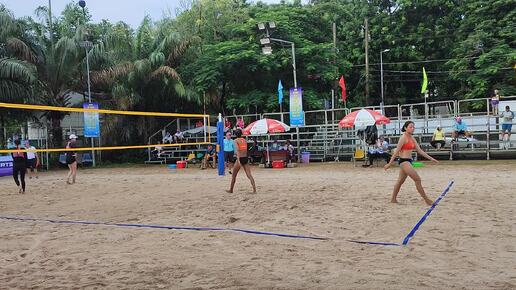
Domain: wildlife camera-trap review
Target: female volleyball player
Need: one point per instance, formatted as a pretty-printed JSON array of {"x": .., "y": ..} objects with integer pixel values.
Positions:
[
  {"x": 241, "y": 162},
  {"x": 71, "y": 159},
  {"x": 406, "y": 144}
]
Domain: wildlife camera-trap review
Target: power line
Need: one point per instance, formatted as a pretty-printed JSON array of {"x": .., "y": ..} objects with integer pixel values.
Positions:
[
  {"x": 424, "y": 61},
  {"x": 437, "y": 72}
]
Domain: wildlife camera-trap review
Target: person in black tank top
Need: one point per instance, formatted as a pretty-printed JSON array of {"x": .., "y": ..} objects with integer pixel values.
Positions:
[
  {"x": 19, "y": 166},
  {"x": 71, "y": 159},
  {"x": 242, "y": 161}
]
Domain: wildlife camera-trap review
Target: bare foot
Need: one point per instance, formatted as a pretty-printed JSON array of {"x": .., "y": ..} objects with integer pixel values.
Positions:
[
  {"x": 229, "y": 191},
  {"x": 394, "y": 201},
  {"x": 429, "y": 201},
  {"x": 68, "y": 182}
]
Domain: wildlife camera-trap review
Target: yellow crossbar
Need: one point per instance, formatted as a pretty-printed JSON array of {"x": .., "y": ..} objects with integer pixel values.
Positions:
[
  {"x": 81, "y": 110},
  {"x": 105, "y": 148}
]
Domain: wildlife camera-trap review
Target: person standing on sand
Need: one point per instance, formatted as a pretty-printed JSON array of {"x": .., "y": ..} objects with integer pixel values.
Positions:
[
  {"x": 19, "y": 166},
  {"x": 71, "y": 159},
  {"x": 241, "y": 161},
  {"x": 406, "y": 144}
]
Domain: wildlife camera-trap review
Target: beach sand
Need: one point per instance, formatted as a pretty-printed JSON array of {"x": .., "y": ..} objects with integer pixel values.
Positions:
[{"x": 467, "y": 242}]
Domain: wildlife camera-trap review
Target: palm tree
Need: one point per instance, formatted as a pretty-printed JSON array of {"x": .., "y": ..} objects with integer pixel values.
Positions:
[
  {"x": 17, "y": 70},
  {"x": 145, "y": 80}
]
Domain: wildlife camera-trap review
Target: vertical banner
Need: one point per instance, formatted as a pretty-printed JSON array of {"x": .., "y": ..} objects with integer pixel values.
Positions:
[
  {"x": 91, "y": 121},
  {"x": 297, "y": 116},
  {"x": 6, "y": 165}
]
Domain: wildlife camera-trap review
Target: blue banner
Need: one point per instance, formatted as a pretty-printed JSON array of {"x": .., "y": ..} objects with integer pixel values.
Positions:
[
  {"x": 6, "y": 165},
  {"x": 91, "y": 121},
  {"x": 297, "y": 116}
]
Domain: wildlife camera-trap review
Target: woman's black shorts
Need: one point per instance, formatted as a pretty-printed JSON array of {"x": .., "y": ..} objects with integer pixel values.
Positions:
[{"x": 229, "y": 156}]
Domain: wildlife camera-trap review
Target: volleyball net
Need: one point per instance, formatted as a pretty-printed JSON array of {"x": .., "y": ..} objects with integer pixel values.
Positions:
[{"x": 191, "y": 129}]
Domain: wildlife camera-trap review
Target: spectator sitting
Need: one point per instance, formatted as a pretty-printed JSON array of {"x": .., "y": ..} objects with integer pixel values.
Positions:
[
  {"x": 380, "y": 151},
  {"x": 255, "y": 152},
  {"x": 275, "y": 146},
  {"x": 199, "y": 124},
  {"x": 461, "y": 129},
  {"x": 240, "y": 123},
  {"x": 10, "y": 144},
  {"x": 438, "y": 139},
  {"x": 210, "y": 155},
  {"x": 168, "y": 138},
  {"x": 158, "y": 150},
  {"x": 290, "y": 148},
  {"x": 227, "y": 125},
  {"x": 179, "y": 137}
]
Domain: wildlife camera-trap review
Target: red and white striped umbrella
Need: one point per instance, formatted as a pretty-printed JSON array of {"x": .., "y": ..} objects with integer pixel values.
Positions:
[
  {"x": 265, "y": 126},
  {"x": 363, "y": 118}
]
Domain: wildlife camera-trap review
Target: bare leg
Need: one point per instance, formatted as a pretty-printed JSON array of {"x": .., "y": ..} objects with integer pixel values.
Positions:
[
  {"x": 247, "y": 169},
  {"x": 233, "y": 177},
  {"x": 70, "y": 172},
  {"x": 74, "y": 168},
  {"x": 412, "y": 173},
  {"x": 401, "y": 179}
]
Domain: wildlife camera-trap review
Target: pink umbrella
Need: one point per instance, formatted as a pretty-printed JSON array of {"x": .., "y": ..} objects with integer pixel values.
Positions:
[
  {"x": 363, "y": 118},
  {"x": 265, "y": 126}
]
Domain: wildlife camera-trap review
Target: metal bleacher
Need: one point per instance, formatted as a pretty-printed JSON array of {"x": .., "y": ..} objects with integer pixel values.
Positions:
[{"x": 325, "y": 141}]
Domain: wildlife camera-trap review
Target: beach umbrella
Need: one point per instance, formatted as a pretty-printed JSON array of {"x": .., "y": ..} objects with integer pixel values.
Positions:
[
  {"x": 266, "y": 126},
  {"x": 363, "y": 118}
]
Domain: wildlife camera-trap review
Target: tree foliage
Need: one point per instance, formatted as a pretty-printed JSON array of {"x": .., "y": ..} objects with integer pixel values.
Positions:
[{"x": 212, "y": 48}]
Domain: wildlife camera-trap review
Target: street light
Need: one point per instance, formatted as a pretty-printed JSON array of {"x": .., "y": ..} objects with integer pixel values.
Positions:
[
  {"x": 381, "y": 78},
  {"x": 266, "y": 42},
  {"x": 87, "y": 45}
]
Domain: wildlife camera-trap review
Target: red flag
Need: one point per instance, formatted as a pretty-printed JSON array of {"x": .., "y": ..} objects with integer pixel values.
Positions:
[{"x": 342, "y": 85}]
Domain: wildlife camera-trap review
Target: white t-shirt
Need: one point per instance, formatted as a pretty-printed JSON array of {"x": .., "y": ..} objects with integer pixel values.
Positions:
[
  {"x": 507, "y": 117},
  {"x": 31, "y": 155}
]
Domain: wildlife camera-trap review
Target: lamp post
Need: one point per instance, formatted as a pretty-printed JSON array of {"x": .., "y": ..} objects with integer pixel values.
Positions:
[
  {"x": 87, "y": 45},
  {"x": 268, "y": 27},
  {"x": 381, "y": 78},
  {"x": 266, "y": 42}
]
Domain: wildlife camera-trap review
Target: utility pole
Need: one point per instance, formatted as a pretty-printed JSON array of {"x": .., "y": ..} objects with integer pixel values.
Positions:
[
  {"x": 50, "y": 22},
  {"x": 366, "y": 39}
]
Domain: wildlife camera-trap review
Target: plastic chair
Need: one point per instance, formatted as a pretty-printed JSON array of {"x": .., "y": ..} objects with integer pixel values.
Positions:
[
  {"x": 87, "y": 159},
  {"x": 62, "y": 158},
  {"x": 358, "y": 155}
]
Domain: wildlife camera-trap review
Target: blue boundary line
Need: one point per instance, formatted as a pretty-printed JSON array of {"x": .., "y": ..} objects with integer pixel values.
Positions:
[
  {"x": 374, "y": 243},
  {"x": 252, "y": 232},
  {"x": 423, "y": 218}
]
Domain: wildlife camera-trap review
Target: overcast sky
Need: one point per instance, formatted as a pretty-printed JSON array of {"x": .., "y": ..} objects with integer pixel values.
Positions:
[{"x": 129, "y": 11}]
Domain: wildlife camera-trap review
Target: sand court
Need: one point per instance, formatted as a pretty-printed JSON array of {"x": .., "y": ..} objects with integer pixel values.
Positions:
[{"x": 468, "y": 241}]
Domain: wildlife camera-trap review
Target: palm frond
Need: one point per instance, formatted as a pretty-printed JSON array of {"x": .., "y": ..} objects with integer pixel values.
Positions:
[
  {"x": 8, "y": 24},
  {"x": 12, "y": 91},
  {"x": 109, "y": 75},
  {"x": 21, "y": 49},
  {"x": 165, "y": 71},
  {"x": 17, "y": 70},
  {"x": 179, "y": 50}
]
